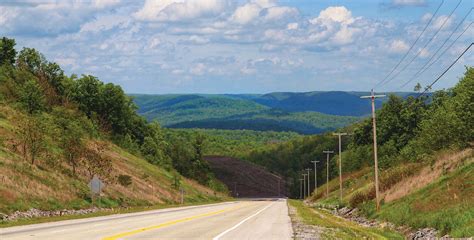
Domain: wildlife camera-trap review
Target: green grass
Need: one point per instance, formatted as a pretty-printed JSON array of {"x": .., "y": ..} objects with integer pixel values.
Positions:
[
  {"x": 446, "y": 205},
  {"x": 30, "y": 221},
  {"x": 338, "y": 228}
]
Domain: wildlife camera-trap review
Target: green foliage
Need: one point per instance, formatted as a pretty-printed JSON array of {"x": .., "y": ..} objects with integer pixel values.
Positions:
[
  {"x": 32, "y": 97},
  {"x": 232, "y": 113},
  {"x": 7, "y": 51}
]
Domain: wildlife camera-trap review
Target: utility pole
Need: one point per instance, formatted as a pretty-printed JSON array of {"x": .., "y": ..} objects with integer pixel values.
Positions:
[
  {"x": 315, "y": 176},
  {"x": 301, "y": 188},
  {"x": 373, "y": 97},
  {"x": 327, "y": 171},
  {"x": 340, "y": 164},
  {"x": 304, "y": 185},
  {"x": 309, "y": 181}
]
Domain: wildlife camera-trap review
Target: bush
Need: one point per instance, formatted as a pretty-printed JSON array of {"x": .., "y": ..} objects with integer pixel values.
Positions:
[{"x": 124, "y": 180}]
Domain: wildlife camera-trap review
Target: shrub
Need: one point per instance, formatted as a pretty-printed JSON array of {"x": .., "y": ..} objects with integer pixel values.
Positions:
[{"x": 124, "y": 180}]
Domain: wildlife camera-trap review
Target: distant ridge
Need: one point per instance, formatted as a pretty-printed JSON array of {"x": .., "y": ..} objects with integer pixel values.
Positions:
[{"x": 302, "y": 112}]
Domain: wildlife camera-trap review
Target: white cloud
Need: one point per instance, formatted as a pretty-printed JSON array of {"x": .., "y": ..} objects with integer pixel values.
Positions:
[
  {"x": 442, "y": 22},
  {"x": 265, "y": 3},
  {"x": 292, "y": 26},
  {"x": 198, "y": 69},
  {"x": 7, "y": 14},
  {"x": 408, "y": 2},
  {"x": 105, "y": 3},
  {"x": 424, "y": 53},
  {"x": 246, "y": 13},
  {"x": 398, "y": 46},
  {"x": 178, "y": 10},
  {"x": 344, "y": 35},
  {"x": 338, "y": 14},
  {"x": 103, "y": 23},
  {"x": 276, "y": 13},
  {"x": 195, "y": 39}
]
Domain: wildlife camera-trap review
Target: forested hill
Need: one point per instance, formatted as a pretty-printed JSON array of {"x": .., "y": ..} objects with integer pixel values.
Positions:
[
  {"x": 306, "y": 113},
  {"x": 58, "y": 131}
]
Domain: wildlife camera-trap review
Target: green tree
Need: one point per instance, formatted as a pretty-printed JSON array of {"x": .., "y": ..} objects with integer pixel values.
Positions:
[
  {"x": 7, "y": 51},
  {"x": 30, "y": 59},
  {"x": 31, "y": 132},
  {"x": 31, "y": 97}
]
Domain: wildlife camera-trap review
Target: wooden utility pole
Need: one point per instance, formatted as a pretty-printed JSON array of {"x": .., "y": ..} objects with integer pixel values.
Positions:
[
  {"x": 315, "y": 176},
  {"x": 374, "y": 126},
  {"x": 304, "y": 184},
  {"x": 309, "y": 181},
  {"x": 327, "y": 171},
  {"x": 301, "y": 188},
  {"x": 340, "y": 164}
]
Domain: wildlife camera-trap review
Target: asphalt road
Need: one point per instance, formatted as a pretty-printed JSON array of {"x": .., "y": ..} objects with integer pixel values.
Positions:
[{"x": 265, "y": 219}]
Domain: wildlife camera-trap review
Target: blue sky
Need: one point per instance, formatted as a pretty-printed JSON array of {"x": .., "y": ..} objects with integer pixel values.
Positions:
[{"x": 240, "y": 46}]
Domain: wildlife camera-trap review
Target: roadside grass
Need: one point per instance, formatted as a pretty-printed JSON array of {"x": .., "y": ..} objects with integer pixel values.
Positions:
[
  {"x": 339, "y": 228},
  {"x": 447, "y": 205},
  {"x": 100, "y": 213},
  {"x": 439, "y": 194}
]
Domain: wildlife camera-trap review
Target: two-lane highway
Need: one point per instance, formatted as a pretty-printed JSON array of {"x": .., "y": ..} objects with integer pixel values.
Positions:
[{"x": 266, "y": 219}]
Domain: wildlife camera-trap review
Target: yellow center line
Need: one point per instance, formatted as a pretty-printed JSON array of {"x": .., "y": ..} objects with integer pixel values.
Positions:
[{"x": 126, "y": 234}]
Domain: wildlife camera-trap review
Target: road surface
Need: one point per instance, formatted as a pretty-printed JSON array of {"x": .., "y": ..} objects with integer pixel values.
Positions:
[{"x": 266, "y": 219}]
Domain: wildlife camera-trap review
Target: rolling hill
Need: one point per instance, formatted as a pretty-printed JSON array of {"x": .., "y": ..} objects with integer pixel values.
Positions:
[{"x": 305, "y": 113}]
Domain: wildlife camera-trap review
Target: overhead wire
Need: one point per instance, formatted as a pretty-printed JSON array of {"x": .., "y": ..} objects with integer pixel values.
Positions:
[
  {"x": 423, "y": 69},
  {"x": 411, "y": 47},
  {"x": 445, "y": 71},
  {"x": 424, "y": 47}
]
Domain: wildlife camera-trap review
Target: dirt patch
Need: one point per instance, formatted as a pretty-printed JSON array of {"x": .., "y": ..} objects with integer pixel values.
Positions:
[
  {"x": 445, "y": 163},
  {"x": 244, "y": 179}
]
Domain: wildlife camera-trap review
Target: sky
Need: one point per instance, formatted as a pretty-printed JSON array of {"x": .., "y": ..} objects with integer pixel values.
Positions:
[{"x": 248, "y": 46}]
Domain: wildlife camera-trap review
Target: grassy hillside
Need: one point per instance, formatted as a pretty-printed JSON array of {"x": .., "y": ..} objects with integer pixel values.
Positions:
[
  {"x": 440, "y": 195},
  {"x": 51, "y": 185},
  {"x": 58, "y": 132}
]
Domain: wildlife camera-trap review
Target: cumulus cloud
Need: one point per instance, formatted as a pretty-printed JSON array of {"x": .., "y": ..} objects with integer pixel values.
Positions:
[
  {"x": 398, "y": 46},
  {"x": 338, "y": 14},
  {"x": 246, "y": 13},
  {"x": 262, "y": 10},
  {"x": 179, "y": 10}
]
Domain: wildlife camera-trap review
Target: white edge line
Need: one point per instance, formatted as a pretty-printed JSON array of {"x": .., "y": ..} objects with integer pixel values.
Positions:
[{"x": 241, "y": 222}]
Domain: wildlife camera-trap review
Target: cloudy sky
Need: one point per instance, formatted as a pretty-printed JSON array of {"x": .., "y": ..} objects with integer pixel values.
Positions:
[{"x": 247, "y": 46}]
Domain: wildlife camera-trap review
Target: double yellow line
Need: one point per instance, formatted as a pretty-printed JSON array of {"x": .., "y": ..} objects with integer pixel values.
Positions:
[{"x": 126, "y": 234}]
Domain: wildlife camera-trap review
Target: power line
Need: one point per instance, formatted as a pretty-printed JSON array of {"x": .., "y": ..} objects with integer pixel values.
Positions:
[
  {"x": 455, "y": 40},
  {"x": 426, "y": 44},
  {"x": 445, "y": 71},
  {"x": 411, "y": 47},
  {"x": 422, "y": 69}
]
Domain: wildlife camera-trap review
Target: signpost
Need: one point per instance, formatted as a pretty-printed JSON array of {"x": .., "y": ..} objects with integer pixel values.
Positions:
[{"x": 96, "y": 186}]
